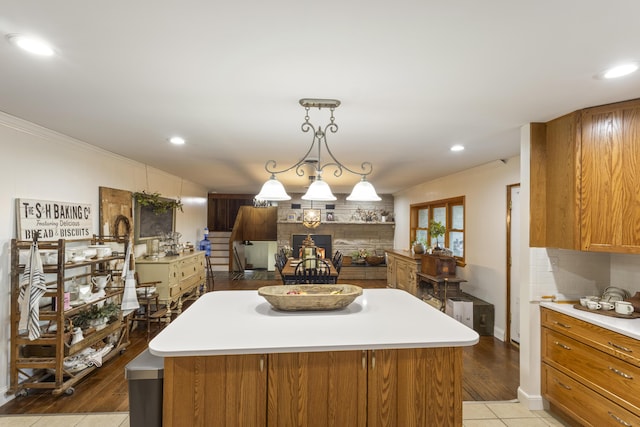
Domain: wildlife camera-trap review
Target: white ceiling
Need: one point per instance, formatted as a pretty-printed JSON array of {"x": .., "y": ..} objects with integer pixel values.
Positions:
[{"x": 414, "y": 77}]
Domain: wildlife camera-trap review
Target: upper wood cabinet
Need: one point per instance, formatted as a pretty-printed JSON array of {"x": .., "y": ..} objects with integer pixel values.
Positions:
[
  {"x": 610, "y": 192},
  {"x": 585, "y": 175},
  {"x": 555, "y": 183}
]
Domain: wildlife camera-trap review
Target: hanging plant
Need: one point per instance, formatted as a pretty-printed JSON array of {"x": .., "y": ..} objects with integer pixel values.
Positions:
[{"x": 159, "y": 205}]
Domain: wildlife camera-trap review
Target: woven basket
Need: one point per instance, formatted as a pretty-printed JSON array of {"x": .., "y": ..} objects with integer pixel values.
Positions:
[{"x": 374, "y": 259}]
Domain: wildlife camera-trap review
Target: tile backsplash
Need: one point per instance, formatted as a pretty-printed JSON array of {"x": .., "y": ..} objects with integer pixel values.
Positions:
[{"x": 570, "y": 274}]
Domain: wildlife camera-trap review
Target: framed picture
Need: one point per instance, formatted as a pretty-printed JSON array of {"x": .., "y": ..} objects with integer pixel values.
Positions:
[
  {"x": 150, "y": 225},
  {"x": 330, "y": 216},
  {"x": 291, "y": 217},
  {"x": 311, "y": 218}
]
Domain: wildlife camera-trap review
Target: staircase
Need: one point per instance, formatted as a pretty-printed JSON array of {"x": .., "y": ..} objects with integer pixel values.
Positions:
[{"x": 219, "y": 250}]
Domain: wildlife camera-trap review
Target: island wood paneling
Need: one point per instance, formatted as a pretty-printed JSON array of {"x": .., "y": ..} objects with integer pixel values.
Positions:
[
  {"x": 215, "y": 391},
  {"x": 394, "y": 388},
  {"x": 317, "y": 389}
]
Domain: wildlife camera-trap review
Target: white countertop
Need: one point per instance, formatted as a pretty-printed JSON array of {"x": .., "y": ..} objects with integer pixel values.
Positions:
[
  {"x": 628, "y": 327},
  {"x": 242, "y": 322}
]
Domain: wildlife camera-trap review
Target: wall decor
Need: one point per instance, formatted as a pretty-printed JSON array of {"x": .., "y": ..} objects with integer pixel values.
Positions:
[
  {"x": 116, "y": 212},
  {"x": 53, "y": 220},
  {"x": 151, "y": 224},
  {"x": 311, "y": 218}
]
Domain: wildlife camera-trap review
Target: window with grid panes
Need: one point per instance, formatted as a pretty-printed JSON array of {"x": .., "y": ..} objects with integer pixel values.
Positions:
[{"x": 450, "y": 212}]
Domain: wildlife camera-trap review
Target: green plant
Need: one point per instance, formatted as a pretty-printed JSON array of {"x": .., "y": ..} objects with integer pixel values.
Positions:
[
  {"x": 95, "y": 312},
  {"x": 158, "y": 204},
  {"x": 436, "y": 229}
]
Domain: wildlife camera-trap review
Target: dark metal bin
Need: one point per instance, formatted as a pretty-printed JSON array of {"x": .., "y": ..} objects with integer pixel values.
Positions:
[{"x": 145, "y": 375}]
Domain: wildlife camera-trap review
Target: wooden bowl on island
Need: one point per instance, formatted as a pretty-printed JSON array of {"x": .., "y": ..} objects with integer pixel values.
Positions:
[{"x": 310, "y": 297}]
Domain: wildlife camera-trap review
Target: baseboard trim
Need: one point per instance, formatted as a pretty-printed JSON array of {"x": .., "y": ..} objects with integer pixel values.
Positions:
[{"x": 533, "y": 402}]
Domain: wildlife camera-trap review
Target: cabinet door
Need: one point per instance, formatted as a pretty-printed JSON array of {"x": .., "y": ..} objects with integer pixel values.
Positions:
[
  {"x": 610, "y": 162},
  {"x": 317, "y": 389},
  {"x": 382, "y": 398},
  {"x": 555, "y": 183},
  {"x": 211, "y": 391},
  {"x": 391, "y": 271},
  {"x": 415, "y": 387},
  {"x": 402, "y": 274}
]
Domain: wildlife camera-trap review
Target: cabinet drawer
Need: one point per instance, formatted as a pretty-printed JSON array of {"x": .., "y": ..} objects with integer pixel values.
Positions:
[
  {"x": 583, "y": 404},
  {"x": 608, "y": 375},
  {"x": 190, "y": 282},
  {"x": 174, "y": 291},
  {"x": 610, "y": 342}
]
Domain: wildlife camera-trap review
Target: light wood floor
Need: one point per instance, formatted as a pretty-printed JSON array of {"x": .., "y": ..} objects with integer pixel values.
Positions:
[{"x": 491, "y": 371}]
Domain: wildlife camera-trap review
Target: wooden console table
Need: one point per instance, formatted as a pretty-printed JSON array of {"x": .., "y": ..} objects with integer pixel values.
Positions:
[{"x": 442, "y": 287}]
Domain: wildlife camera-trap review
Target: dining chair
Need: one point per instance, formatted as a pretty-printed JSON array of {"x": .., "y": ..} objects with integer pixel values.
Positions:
[
  {"x": 337, "y": 261},
  {"x": 313, "y": 270},
  {"x": 281, "y": 260}
]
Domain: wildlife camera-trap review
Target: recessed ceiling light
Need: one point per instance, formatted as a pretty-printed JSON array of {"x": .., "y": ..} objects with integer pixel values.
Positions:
[
  {"x": 177, "y": 140},
  {"x": 457, "y": 147},
  {"x": 31, "y": 45},
  {"x": 618, "y": 71}
]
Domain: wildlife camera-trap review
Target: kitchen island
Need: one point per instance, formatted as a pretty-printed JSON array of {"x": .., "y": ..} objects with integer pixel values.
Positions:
[{"x": 386, "y": 359}]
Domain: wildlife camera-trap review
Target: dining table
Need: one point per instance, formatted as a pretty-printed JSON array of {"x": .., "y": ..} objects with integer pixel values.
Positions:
[{"x": 289, "y": 269}]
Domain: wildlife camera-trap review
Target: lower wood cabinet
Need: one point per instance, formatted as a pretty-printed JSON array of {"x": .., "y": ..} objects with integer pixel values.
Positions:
[
  {"x": 402, "y": 270},
  {"x": 407, "y": 387},
  {"x": 589, "y": 373}
]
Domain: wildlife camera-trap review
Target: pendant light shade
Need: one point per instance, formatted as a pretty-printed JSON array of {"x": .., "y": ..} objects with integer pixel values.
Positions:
[
  {"x": 319, "y": 191},
  {"x": 363, "y": 191},
  {"x": 273, "y": 190}
]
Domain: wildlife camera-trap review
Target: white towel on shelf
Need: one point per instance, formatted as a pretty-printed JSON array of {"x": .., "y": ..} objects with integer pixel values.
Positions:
[
  {"x": 32, "y": 287},
  {"x": 129, "y": 297}
]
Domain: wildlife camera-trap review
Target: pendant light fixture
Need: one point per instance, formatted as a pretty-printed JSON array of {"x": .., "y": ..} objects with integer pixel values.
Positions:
[{"x": 319, "y": 190}]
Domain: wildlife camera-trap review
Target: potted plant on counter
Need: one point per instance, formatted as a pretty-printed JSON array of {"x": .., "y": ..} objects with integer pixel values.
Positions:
[{"x": 436, "y": 229}]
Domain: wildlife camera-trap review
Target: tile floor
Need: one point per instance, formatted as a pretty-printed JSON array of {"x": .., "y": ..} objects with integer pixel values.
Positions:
[{"x": 475, "y": 414}]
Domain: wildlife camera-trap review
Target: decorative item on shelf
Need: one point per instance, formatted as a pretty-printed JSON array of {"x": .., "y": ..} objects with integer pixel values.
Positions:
[
  {"x": 171, "y": 242},
  {"x": 365, "y": 215},
  {"x": 374, "y": 259},
  {"x": 261, "y": 203},
  {"x": 635, "y": 302},
  {"x": 158, "y": 204},
  {"x": 319, "y": 190},
  {"x": 436, "y": 229},
  {"x": 384, "y": 215},
  {"x": 95, "y": 316},
  {"x": 418, "y": 247}
]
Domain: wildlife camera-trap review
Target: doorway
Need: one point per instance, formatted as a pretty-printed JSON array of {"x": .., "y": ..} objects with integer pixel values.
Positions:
[{"x": 513, "y": 264}]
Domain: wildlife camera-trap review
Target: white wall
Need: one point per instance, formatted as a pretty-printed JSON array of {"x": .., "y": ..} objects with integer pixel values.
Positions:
[
  {"x": 37, "y": 163},
  {"x": 485, "y": 191}
]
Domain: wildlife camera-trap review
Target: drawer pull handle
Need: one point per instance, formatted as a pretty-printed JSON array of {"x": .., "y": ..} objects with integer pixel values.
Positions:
[
  {"x": 618, "y": 419},
  {"x": 561, "y": 384},
  {"x": 373, "y": 359},
  {"x": 622, "y": 374},
  {"x": 261, "y": 363},
  {"x": 364, "y": 360},
  {"x": 562, "y": 325},
  {"x": 566, "y": 347},
  {"x": 619, "y": 347}
]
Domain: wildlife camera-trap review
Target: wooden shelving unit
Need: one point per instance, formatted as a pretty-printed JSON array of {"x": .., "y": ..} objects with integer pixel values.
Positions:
[{"x": 39, "y": 363}]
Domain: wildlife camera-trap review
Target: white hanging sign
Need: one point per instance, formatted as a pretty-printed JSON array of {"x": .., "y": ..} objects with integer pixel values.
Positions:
[{"x": 53, "y": 220}]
